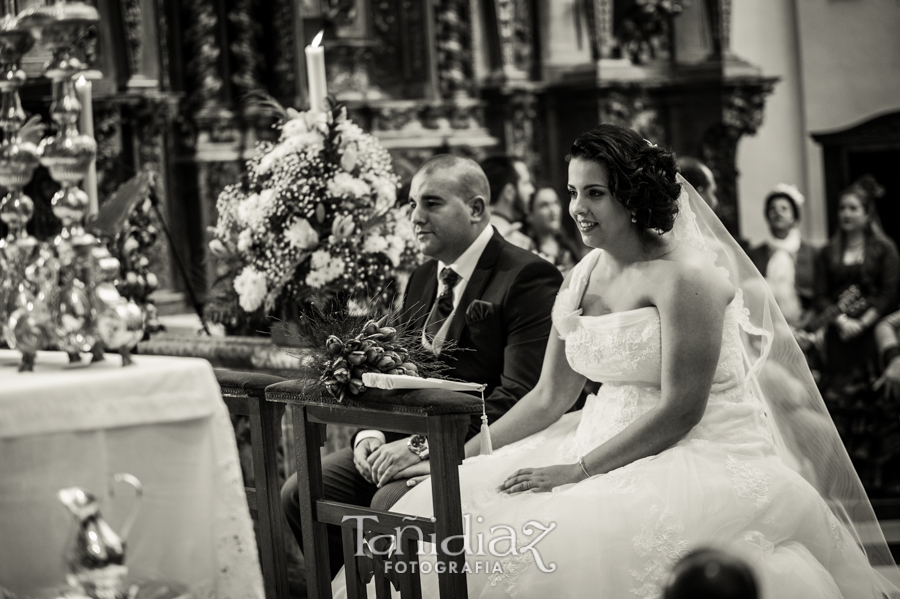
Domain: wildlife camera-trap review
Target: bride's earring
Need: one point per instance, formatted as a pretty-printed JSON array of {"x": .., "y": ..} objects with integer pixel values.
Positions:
[{"x": 634, "y": 217}]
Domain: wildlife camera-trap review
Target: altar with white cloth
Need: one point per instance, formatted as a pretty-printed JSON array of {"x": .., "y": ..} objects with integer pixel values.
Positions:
[{"x": 161, "y": 420}]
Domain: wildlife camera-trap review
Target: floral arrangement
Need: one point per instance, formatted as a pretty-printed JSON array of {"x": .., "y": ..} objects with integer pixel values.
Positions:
[
  {"x": 345, "y": 345},
  {"x": 316, "y": 216}
]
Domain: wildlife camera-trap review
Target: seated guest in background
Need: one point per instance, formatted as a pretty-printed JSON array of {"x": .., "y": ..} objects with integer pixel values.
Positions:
[
  {"x": 859, "y": 255},
  {"x": 784, "y": 259},
  {"x": 699, "y": 175},
  {"x": 888, "y": 343},
  {"x": 545, "y": 229},
  {"x": 511, "y": 188},
  {"x": 486, "y": 298}
]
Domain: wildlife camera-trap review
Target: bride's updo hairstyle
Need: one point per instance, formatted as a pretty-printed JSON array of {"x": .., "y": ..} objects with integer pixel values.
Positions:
[{"x": 641, "y": 176}]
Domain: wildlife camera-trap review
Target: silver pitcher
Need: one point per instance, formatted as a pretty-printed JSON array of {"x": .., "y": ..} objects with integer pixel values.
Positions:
[{"x": 95, "y": 556}]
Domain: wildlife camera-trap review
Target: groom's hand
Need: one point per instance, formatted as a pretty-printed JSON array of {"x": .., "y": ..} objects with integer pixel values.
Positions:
[
  {"x": 416, "y": 473},
  {"x": 361, "y": 453},
  {"x": 389, "y": 459}
]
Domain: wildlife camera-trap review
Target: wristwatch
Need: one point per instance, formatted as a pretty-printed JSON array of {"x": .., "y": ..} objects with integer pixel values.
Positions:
[{"x": 418, "y": 444}]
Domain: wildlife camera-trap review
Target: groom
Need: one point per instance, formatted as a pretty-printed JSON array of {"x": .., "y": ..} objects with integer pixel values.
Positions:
[{"x": 490, "y": 299}]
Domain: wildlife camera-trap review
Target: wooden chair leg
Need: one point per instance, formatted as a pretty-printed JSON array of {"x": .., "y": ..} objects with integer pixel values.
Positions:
[
  {"x": 265, "y": 424},
  {"x": 410, "y": 581},
  {"x": 356, "y": 588},
  {"x": 444, "y": 435},
  {"x": 307, "y": 441}
]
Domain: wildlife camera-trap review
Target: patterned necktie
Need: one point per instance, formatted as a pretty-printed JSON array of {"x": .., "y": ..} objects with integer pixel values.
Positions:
[{"x": 443, "y": 307}]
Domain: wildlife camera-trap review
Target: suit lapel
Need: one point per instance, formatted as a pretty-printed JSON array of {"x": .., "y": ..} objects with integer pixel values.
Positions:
[
  {"x": 476, "y": 284},
  {"x": 421, "y": 295}
]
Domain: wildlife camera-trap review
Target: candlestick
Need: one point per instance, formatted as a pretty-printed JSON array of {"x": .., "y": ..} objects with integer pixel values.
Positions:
[
  {"x": 315, "y": 74},
  {"x": 86, "y": 124}
]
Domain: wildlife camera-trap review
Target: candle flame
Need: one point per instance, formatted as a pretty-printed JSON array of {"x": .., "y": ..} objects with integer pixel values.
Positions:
[
  {"x": 318, "y": 39},
  {"x": 81, "y": 81}
]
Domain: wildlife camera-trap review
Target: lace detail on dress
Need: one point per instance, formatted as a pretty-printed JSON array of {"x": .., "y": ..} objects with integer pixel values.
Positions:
[
  {"x": 661, "y": 543},
  {"x": 513, "y": 566},
  {"x": 620, "y": 351},
  {"x": 623, "y": 406},
  {"x": 837, "y": 529},
  {"x": 749, "y": 481}
]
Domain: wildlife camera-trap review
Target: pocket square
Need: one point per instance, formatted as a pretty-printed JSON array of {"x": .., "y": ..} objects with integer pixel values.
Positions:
[{"x": 478, "y": 310}]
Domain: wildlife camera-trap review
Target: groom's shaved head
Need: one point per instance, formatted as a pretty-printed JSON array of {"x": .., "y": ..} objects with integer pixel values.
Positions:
[
  {"x": 469, "y": 179},
  {"x": 449, "y": 196}
]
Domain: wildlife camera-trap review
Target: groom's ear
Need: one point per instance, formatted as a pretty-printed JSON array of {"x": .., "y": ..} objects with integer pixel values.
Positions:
[{"x": 477, "y": 208}]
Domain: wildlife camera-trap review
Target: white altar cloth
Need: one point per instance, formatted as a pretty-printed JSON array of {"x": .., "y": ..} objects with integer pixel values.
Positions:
[{"x": 162, "y": 420}]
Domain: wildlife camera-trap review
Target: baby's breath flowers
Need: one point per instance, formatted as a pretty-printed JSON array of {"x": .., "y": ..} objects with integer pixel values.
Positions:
[{"x": 317, "y": 215}]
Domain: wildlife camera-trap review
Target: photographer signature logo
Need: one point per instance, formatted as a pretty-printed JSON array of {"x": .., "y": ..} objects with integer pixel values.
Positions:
[{"x": 485, "y": 552}]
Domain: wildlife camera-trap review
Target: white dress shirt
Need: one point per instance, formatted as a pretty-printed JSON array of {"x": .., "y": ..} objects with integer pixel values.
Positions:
[{"x": 464, "y": 266}]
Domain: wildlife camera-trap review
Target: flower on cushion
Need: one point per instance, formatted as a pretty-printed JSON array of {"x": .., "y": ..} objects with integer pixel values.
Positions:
[
  {"x": 300, "y": 234},
  {"x": 251, "y": 288}
]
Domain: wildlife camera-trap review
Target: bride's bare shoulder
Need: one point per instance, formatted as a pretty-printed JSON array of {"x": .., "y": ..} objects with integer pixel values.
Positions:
[{"x": 688, "y": 271}]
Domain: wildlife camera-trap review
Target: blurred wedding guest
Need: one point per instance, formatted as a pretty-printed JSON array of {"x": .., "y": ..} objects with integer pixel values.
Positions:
[
  {"x": 888, "y": 341},
  {"x": 511, "y": 187},
  {"x": 858, "y": 257},
  {"x": 544, "y": 226},
  {"x": 784, "y": 259},
  {"x": 711, "y": 574},
  {"x": 699, "y": 175},
  {"x": 858, "y": 272}
]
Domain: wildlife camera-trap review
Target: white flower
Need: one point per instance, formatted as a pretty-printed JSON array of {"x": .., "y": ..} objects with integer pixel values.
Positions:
[
  {"x": 396, "y": 245},
  {"x": 251, "y": 288},
  {"x": 266, "y": 199},
  {"x": 319, "y": 260},
  {"x": 323, "y": 269},
  {"x": 300, "y": 234},
  {"x": 375, "y": 244},
  {"x": 349, "y": 157},
  {"x": 253, "y": 210},
  {"x": 387, "y": 194},
  {"x": 294, "y": 127},
  {"x": 311, "y": 141},
  {"x": 218, "y": 248},
  {"x": 342, "y": 227},
  {"x": 345, "y": 184},
  {"x": 265, "y": 164},
  {"x": 245, "y": 240}
]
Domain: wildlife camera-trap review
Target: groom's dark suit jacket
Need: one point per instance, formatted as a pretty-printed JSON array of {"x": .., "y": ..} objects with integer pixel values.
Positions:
[{"x": 501, "y": 325}]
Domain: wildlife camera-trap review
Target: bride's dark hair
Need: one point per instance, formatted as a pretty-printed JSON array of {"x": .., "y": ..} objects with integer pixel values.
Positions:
[{"x": 641, "y": 176}]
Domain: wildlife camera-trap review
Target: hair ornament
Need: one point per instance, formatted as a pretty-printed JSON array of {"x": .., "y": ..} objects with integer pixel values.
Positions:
[
  {"x": 791, "y": 191},
  {"x": 651, "y": 144}
]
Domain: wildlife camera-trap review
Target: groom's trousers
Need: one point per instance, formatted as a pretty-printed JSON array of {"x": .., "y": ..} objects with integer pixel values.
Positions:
[{"x": 345, "y": 484}]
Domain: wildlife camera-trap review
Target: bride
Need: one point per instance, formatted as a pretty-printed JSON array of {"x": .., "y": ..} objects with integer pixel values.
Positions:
[{"x": 706, "y": 431}]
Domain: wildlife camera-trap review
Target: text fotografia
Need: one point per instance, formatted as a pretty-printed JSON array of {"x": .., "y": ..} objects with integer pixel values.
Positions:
[{"x": 502, "y": 542}]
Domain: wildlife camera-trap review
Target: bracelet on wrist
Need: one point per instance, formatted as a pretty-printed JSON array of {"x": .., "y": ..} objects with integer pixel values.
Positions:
[{"x": 583, "y": 469}]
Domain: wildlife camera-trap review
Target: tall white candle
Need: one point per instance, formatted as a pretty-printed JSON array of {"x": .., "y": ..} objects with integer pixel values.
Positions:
[
  {"x": 315, "y": 74},
  {"x": 84, "y": 88}
]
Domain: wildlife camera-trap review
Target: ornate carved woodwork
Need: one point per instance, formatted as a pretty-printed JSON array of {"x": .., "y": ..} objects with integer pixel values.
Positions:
[
  {"x": 742, "y": 114},
  {"x": 453, "y": 43}
]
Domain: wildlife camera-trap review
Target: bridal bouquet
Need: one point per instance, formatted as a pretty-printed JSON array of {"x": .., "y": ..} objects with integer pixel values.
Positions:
[
  {"x": 316, "y": 216},
  {"x": 344, "y": 346}
]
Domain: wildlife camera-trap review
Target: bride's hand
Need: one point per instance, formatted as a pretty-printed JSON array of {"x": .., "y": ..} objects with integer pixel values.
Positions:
[{"x": 542, "y": 480}]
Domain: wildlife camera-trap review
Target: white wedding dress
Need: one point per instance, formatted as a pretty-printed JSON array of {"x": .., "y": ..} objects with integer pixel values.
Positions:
[{"x": 617, "y": 535}]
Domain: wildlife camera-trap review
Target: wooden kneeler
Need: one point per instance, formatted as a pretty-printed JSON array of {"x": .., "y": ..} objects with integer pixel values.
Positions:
[
  {"x": 244, "y": 394},
  {"x": 442, "y": 415}
]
